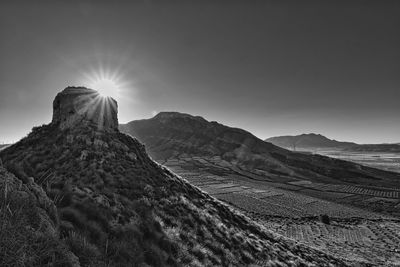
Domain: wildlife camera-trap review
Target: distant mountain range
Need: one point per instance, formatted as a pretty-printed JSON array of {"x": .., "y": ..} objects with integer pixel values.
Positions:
[
  {"x": 307, "y": 141},
  {"x": 177, "y": 135},
  {"x": 312, "y": 141}
]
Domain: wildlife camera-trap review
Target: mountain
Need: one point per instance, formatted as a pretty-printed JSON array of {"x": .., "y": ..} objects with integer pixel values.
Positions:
[
  {"x": 308, "y": 141},
  {"x": 172, "y": 134},
  {"x": 312, "y": 142},
  {"x": 89, "y": 195}
]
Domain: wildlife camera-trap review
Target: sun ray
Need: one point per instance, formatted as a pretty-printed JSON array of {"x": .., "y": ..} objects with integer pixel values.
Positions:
[{"x": 101, "y": 108}]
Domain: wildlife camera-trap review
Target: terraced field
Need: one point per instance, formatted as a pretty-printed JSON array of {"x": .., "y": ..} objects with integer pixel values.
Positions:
[
  {"x": 351, "y": 189},
  {"x": 375, "y": 199},
  {"x": 268, "y": 200},
  {"x": 362, "y": 240},
  {"x": 292, "y": 209}
]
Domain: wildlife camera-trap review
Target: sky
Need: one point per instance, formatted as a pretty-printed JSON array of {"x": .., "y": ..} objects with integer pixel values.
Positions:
[{"x": 269, "y": 67}]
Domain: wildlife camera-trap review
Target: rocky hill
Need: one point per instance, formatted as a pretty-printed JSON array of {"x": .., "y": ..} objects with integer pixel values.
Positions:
[
  {"x": 97, "y": 199},
  {"x": 310, "y": 141},
  {"x": 172, "y": 134}
]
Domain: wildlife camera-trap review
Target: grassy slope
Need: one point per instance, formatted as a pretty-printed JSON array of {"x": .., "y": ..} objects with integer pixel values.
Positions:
[
  {"x": 28, "y": 226},
  {"x": 117, "y": 207}
]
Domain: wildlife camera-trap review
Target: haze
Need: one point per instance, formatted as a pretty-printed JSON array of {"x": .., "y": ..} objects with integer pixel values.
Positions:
[{"x": 270, "y": 67}]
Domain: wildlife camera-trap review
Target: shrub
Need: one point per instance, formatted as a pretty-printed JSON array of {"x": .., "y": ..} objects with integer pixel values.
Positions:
[
  {"x": 324, "y": 218},
  {"x": 72, "y": 215},
  {"x": 125, "y": 253},
  {"x": 170, "y": 247},
  {"x": 154, "y": 256},
  {"x": 124, "y": 245},
  {"x": 18, "y": 171},
  {"x": 93, "y": 212}
]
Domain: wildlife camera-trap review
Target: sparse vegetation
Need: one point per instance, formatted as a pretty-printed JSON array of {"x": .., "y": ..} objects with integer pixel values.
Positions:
[{"x": 28, "y": 234}]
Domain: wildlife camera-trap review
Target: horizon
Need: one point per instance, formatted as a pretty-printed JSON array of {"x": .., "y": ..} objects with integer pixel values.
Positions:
[
  {"x": 263, "y": 139},
  {"x": 270, "y": 68}
]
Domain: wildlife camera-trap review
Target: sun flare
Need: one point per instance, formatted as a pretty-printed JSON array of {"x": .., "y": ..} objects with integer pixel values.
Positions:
[
  {"x": 109, "y": 82},
  {"x": 106, "y": 87}
]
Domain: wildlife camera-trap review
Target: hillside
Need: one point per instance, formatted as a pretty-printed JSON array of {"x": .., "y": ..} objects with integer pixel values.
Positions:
[
  {"x": 115, "y": 206},
  {"x": 172, "y": 134},
  {"x": 308, "y": 141}
]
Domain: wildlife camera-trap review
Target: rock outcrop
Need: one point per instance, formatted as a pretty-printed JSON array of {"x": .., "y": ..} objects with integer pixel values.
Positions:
[{"x": 80, "y": 105}]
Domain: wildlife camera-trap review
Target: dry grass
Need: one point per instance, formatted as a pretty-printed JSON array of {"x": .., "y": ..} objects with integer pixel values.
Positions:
[{"x": 26, "y": 238}]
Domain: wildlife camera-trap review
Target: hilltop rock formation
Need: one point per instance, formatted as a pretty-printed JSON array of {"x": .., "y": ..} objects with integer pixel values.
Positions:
[
  {"x": 80, "y": 105},
  {"x": 117, "y": 207},
  {"x": 174, "y": 135}
]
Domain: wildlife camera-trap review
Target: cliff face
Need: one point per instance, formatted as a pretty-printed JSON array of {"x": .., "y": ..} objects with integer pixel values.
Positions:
[{"x": 80, "y": 105}]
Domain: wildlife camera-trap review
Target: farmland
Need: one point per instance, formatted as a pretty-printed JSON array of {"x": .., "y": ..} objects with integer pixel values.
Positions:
[
  {"x": 363, "y": 240},
  {"x": 319, "y": 195},
  {"x": 291, "y": 208},
  {"x": 269, "y": 200}
]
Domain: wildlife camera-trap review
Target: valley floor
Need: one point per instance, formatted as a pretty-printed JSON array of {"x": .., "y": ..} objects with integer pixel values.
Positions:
[
  {"x": 389, "y": 161},
  {"x": 358, "y": 231}
]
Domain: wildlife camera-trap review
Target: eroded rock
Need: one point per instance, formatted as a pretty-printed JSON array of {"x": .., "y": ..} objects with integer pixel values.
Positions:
[{"x": 80, "y": 105}]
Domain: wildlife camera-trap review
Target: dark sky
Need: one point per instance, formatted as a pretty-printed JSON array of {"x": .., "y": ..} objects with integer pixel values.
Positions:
[{"x": 270, "y": 67}]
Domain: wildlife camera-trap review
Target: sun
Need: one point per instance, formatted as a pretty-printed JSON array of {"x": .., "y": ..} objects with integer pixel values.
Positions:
[
  {"x": 106, "y": 87},
  {"x": 108, "y": 81}
]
